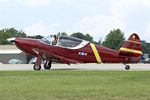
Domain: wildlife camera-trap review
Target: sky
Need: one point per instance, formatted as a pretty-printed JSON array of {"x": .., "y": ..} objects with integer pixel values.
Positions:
[{"x": 96, "y": 17}]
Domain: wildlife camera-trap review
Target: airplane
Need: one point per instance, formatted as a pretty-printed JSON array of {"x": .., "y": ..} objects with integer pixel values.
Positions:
[{"x": 70, "y": 50}]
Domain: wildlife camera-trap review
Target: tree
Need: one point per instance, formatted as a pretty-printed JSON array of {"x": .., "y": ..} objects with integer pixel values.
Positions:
[
  {"x": 78, "y": 35},
  {"x": 99, "y": 42},
  {"x": 86, "y": 37},
  {"x": 62, "y": 33},
  {"x": 36, "y": 37},
  {"x": 39, "y": 37},
  {"x": 114, "y": 39},
  {"x": 145, "y": 47},
  {"x": 9, "y": 33}
]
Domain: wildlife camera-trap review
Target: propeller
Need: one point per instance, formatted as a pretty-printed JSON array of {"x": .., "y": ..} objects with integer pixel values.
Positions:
[{"x": 11, "y": 40}]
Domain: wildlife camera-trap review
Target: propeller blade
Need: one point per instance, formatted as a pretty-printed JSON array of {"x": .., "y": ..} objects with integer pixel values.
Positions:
[{"x": 11, "y": 40}]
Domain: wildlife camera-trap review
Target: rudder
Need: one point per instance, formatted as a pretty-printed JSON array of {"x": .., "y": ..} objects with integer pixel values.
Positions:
[{"x": 132, "y": 45}]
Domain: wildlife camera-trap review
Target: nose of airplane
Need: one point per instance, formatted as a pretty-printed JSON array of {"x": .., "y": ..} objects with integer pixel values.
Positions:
[
  {"x": 11, "y": 40},
  {"x": 18, "y": 41},
  {"x": 21, "y": 42},
  {"x": 26, "y": 45}
]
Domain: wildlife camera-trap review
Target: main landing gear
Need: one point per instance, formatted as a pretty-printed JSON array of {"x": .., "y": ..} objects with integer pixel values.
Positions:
[
  {"x": 37, "y": 66},
  {"x": 127, "y": 67},
  {"x": 47, "y": 65}
]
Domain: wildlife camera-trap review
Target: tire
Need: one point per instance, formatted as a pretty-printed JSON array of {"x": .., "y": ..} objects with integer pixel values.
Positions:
[
  {"x": 37, "y": 67},
  {"x": 47, "y": 65},
  {"x": 127, "y": 67}
]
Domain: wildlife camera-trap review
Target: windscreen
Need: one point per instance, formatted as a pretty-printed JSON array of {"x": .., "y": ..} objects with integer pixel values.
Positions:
[
  {"x": 66, "y": 41},
  {"x": 50, "y": 40},
  {"x": 63, "y": 41}
]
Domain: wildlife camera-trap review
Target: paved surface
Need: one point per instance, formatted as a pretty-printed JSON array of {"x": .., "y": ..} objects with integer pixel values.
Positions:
[
  {"x": 8, "y": 47},
  {"x": 9, "y": 67}
]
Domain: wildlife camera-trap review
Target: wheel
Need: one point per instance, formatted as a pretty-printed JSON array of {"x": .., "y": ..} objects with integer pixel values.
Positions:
[
  {"x": 47, "y": 65},
  {"x": 127, "y": 67},
  {"x": 37, "y": 67}
]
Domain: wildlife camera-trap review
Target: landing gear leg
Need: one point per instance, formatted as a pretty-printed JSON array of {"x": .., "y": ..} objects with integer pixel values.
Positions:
[
  {"x": 37, "y": 65},
  {"x": 127, "y": 67},
  {"x": 48, "y": 65}
]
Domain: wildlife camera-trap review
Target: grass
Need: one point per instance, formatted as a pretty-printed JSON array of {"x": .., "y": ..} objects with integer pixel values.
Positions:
[{"x": 75, "y": 85}]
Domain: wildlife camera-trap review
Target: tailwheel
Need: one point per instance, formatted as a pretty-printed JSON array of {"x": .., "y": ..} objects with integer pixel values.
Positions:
[
  {"x": 48, "y": 65},
  {"x": 37, "y": 67},
  {"x": 127, "y": 67}
]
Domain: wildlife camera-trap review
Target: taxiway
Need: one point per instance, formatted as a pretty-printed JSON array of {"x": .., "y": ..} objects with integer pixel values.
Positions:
[{"x": 19, "y": 67}]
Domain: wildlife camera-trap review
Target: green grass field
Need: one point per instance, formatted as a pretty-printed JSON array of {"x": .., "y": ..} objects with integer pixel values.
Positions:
[{"x": 75, "y": 85}]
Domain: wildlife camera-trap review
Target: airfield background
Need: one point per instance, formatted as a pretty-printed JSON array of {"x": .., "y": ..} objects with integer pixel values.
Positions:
[{"x": 8, "y": 52}]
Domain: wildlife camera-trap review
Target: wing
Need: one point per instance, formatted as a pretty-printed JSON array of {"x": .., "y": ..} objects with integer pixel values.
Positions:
[{"x": 64, "y": 60}]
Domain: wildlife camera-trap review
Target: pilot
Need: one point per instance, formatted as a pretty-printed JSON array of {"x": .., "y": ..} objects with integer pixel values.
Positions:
[{"x": 55, "y": 40}]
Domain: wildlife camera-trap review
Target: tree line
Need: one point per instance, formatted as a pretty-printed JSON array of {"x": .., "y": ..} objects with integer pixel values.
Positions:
[{"x": 113, "y": 40}]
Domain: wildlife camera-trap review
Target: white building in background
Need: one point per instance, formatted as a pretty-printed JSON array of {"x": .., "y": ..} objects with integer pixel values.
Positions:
[{"x": 8, "y": 52}]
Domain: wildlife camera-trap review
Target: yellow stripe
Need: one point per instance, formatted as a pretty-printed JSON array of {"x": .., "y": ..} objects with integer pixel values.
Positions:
[
  {"x": 134, "y": 42},
  {"x": 96, "y": 53},
  {"x": 131, "y": 50}
]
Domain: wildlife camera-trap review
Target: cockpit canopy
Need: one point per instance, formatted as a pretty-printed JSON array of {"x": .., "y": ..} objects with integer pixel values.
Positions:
[
  {"x": 66, "y": 41},
  {"x": 63, "y": 41}
]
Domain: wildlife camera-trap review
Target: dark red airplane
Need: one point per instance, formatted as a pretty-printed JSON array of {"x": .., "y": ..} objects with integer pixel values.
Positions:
[{"x": 66, "y": 49}]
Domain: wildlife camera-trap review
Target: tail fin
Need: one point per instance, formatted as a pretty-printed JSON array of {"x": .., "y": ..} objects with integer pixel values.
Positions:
[{"x": 132, "y": 47}]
